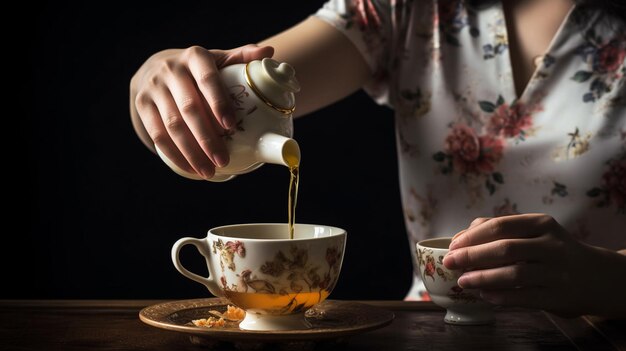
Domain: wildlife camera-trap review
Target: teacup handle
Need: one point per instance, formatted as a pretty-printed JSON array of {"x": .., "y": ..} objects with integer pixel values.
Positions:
[{"x": 202, "y": 246}]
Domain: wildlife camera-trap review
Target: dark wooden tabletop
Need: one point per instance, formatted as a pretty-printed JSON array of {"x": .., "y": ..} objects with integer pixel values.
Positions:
[{"x": 115, "y": 325}]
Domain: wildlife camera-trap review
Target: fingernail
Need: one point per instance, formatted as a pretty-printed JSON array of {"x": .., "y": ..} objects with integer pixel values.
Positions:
[
  {"x": 229, "y": 121},
  {"x": 221, "y": 159},
  {"x": 454, "y": 244},
  {"x": 464, "y": 280},
  {"x": 461, "y": 282},
  {"x": 458, "y": 234},
  {"x": 448, "y": 260},
  {"x": 207, "y": 173}
]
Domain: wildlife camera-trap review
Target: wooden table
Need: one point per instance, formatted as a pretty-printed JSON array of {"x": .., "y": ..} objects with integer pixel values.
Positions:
[{"x": 114, "y": 325}]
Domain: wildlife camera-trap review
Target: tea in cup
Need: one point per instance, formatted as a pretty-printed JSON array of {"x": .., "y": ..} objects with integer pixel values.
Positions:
[
  {"x": 463, "y": 306},
  {"x": 259, "y": 269}
]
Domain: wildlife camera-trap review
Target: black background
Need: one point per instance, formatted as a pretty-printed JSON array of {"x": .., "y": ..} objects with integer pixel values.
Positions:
[{"x": 104, "y": 211}]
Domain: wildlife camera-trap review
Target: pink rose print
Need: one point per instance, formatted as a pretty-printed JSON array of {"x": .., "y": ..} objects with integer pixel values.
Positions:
[
  {"x": 227, "y": 252},
  {"x": 510, "y": 121},
  {"x": 609, "y": 57},
  {"x": 236, "y": 247},
  {"x": 429, "y": 268},
  {"x": 603, "y": 57},
  {"x": 614, "y": 188},
  {"x": 471, "y": 153}
]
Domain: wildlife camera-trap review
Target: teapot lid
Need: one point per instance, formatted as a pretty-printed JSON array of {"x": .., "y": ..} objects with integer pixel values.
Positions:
[{"x": 275, "y": 83}]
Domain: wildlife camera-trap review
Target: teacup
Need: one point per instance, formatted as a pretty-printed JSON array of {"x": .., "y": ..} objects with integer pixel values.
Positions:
[
  {"x": 259, "y": 269},
  {"x": 463, "y": 306}
]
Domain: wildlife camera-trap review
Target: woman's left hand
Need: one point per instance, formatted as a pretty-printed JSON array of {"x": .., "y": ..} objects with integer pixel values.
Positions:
[{"x": 530, "y": 260}]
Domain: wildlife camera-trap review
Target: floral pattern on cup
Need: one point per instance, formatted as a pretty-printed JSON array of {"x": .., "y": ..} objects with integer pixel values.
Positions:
[
  {"x": 457, "y": 293},
  {"x": 434, "y": 269},
  {"x": 426, "y": 259},
  {"x": 227, "y": 252},
  {"x": 301, "y": 275}
]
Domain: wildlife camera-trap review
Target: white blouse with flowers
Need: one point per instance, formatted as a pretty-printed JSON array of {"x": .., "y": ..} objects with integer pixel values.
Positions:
[{"x": 468, "y": 146}]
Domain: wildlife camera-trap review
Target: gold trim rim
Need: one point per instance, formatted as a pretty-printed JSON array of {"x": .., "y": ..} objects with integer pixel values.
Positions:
[{"x": 286, "y": 111}]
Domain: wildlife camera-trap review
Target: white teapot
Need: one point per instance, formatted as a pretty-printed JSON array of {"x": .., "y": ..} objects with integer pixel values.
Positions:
[{"x": 262, "y": 92}]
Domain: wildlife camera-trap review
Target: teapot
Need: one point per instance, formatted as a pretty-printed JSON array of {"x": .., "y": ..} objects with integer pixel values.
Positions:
[{"x": 262, "y": 92}]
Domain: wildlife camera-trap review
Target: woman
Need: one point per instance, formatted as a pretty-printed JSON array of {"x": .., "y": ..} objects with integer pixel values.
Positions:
[{"x": 510, "y": 123}]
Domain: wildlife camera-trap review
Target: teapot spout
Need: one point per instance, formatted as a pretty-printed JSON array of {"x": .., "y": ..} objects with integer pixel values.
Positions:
[{"x": 277, "y": 149}]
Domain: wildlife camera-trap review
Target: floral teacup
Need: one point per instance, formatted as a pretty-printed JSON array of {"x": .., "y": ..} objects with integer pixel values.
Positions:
[
  {"x": 261, "y": 270},
  {"x": 463, "y": 306}
]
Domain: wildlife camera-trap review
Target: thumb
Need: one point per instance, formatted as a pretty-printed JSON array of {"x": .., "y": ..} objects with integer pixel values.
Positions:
[{"x": 242, "y": 54}]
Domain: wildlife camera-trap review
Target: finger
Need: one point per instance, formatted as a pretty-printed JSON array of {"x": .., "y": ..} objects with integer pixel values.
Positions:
[
  {"x": 507, "y": 277},
  {"x": 242, "y": 54},
  {"x": 207, "y": 76},
  {"x": 192, "y": 109},
  {"x": 205, "y": 65},
  {"x": 153, "y": 124},
  {"x": 497, "y": 253},
  {"x": 507, "y": 227},
  {"x": 180, "y": 134},
  {"x": 479, "y": 220}
]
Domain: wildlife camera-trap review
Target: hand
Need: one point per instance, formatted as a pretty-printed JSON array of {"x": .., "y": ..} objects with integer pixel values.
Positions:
[
  {"x": 530, "y": 260},
  {"x": 183, "y": 106}
]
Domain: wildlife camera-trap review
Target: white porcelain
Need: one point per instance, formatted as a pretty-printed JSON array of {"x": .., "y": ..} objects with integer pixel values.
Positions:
[
  {"x": 463, "y": 306},
  {"x": 273, "y": 278},
  {"x": 262, "y": 93}
]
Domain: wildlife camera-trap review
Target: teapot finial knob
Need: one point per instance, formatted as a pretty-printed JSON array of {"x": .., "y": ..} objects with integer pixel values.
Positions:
[
  {"x": 282, "y": 74},
  {"x": 273, "y": 82}
]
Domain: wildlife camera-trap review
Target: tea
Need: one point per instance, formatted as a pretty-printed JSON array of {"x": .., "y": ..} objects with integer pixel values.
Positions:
[
  {"x": 293, "y": 163},
  {"x": 293, "y": 198},
  {"x": 276, "y": 303}
]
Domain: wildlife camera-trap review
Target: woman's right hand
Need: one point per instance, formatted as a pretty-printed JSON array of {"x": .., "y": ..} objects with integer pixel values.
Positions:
[{"x": 179, "y": 103}]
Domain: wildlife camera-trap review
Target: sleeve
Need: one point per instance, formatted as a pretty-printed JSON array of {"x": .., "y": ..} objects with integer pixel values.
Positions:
[{"x": 367, "y": 24}]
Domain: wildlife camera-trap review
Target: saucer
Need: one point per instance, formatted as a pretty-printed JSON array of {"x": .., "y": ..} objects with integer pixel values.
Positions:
[{"x": 331, "y": 319}]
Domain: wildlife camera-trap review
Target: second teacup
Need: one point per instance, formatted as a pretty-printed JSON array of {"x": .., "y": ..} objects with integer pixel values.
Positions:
[
  {"x": 463, "y": 306},
  {"x": 261, "y": 270}
]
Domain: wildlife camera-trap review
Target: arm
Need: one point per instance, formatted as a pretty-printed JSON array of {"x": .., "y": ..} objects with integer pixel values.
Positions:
[
  {"x": 178, "y": 103},
  {"x": 327, "y": 64}
]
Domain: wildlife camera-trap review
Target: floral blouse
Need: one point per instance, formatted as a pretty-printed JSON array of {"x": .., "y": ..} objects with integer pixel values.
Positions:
[{"x": 467, "y": 145}]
